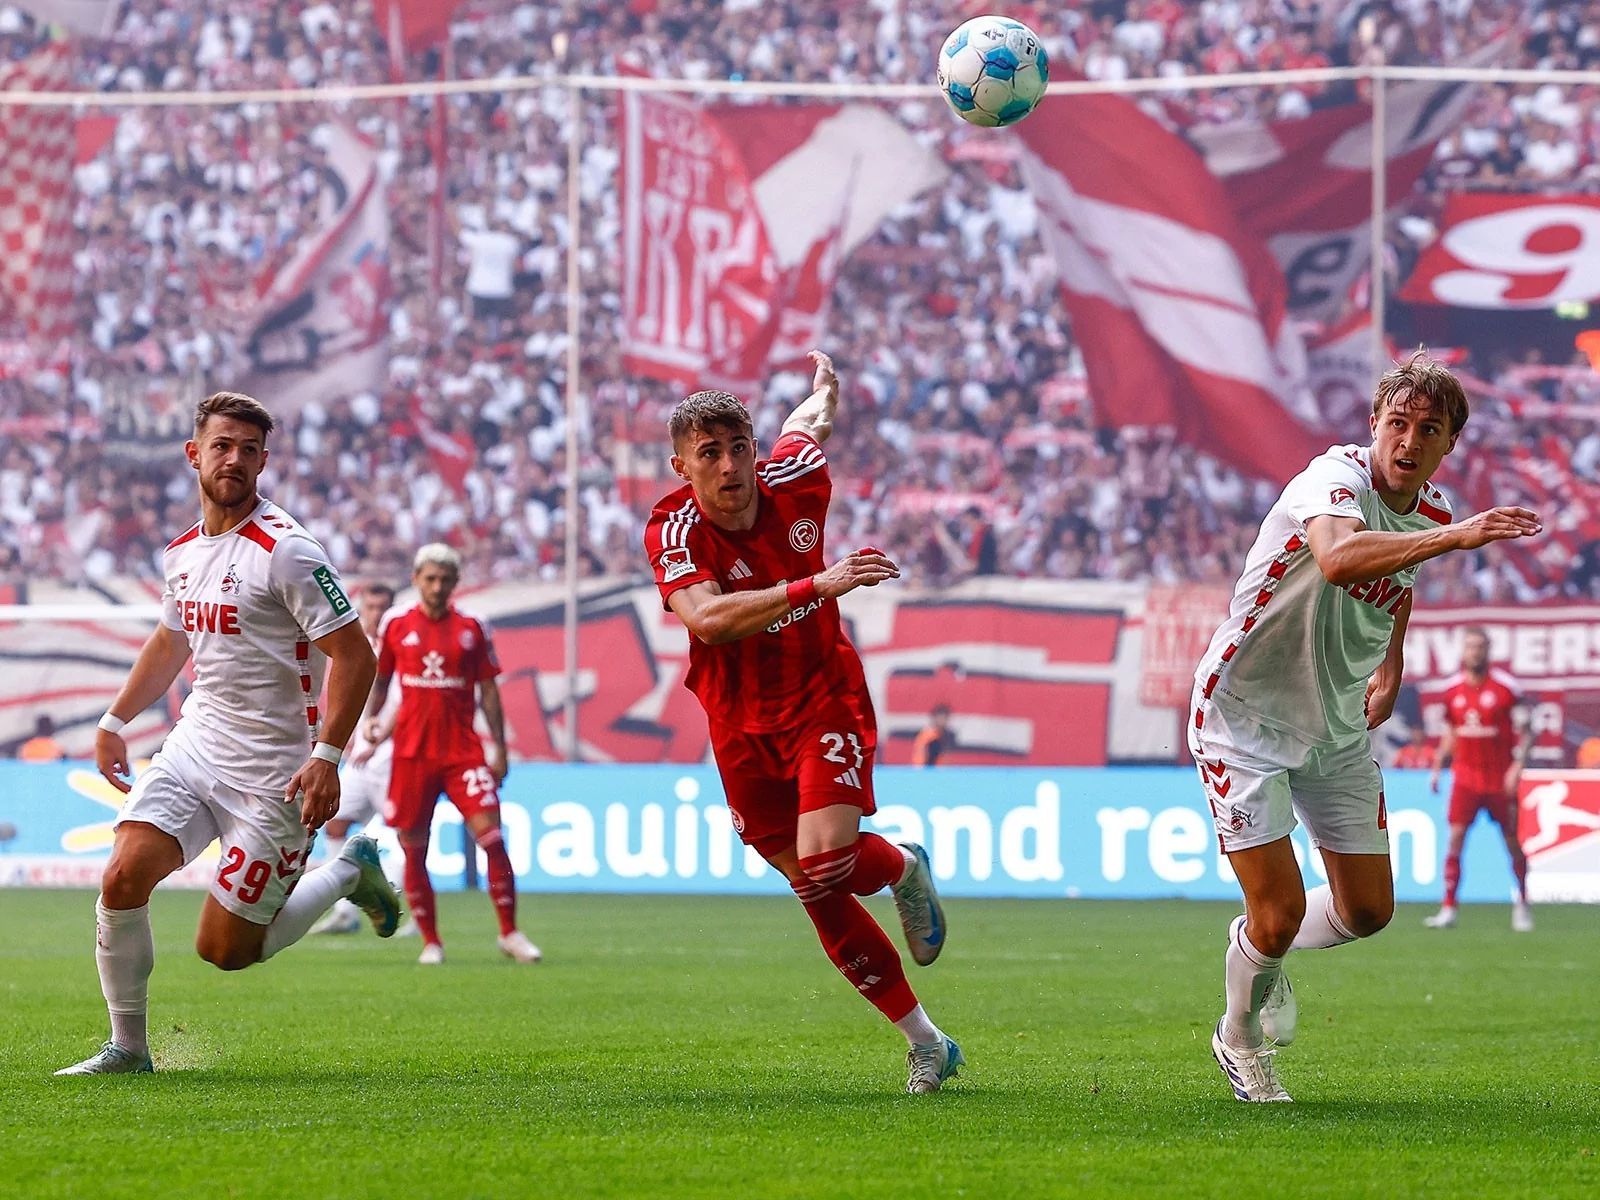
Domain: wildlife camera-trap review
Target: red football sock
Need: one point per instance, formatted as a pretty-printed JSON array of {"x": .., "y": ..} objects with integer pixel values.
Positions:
[
  {"x": 1519, "y": 867},
  {"x": 1452, "y": 878},
  {"x": 862, "y": 952},
  {"x": 419, "y": 890},
  {"x": 502, "y": 879},
  {"x": 863, "y": 868}
]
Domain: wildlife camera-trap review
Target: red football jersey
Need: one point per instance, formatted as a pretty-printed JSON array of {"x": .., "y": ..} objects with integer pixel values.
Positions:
[
  {"x": 1481, "y": 715},
  {"x": 439, "y": 665},
  {"x": 768, "y": 681}
]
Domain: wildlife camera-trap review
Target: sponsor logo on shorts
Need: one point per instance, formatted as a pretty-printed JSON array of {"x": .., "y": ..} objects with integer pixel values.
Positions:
[
  {"x": 803, "y": 534},
  {"x": 1239, "y": 819},
  {"x": 329, "y": 584}
]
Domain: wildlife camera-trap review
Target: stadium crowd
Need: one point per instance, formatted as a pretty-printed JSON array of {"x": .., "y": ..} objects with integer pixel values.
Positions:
[{"x": 183, "y": 210}]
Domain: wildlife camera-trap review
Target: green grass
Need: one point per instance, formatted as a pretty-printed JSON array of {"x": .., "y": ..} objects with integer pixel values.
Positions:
[{"x": 676, "y": 1047}]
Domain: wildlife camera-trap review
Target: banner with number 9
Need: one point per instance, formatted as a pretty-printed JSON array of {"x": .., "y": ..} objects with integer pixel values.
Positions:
[{"x": 1523, "y": 252}]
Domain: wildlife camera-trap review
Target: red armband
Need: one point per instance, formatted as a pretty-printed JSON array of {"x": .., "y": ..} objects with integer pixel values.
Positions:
[{"x": 802, "y": 592}]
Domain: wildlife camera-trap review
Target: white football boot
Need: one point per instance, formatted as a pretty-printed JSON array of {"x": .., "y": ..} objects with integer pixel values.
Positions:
[
  {"x": 1252, "y": 1074},
  {"x": 917, "y": 901},
  {"x": 932, "y": 1064},
  {"x": 409, "y": 929},
  {"x": 432, "y": 954},
  {"x": 1445, "y": 918},
  {"x": 1522, "y": 917},
  {"x": 515, "y": 945},
  {"x": 111, "y": 1059}
]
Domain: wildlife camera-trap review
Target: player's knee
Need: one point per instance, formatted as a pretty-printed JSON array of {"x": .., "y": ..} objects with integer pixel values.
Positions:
[
  {"x": 1366, "y": 917},
  {"x": 226, "y": 956},
  {"x": 1273, "y": 928},
  {"x": 122, "y": 886}
]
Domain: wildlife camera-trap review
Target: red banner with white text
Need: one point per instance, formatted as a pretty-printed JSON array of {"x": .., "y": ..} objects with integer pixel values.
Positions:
[{"x": 1511, "y": 252}]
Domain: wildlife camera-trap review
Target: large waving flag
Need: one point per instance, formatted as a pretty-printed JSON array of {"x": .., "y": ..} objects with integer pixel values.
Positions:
[{"x": 1179, "y": 310}]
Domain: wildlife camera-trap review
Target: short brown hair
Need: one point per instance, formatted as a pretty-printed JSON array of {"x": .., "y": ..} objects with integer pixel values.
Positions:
[
  {"x": 236, "y": 405},
  {"x": 1417, "y": 381},
  {"x": 705, "y": 411}
]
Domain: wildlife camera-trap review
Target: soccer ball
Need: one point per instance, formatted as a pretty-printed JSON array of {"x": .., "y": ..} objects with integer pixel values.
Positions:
[{"x": 992, "y": 71}]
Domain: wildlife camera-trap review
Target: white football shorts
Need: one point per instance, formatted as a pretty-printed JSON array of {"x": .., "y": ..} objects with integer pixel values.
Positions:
[
  {"x": 264, "y": 845},
  {"x": 362, "y": 790},
  {"x": 1257, "y": 780}
]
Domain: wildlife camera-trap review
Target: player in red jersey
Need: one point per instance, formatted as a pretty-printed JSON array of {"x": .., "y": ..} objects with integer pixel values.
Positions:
[
  {"x": 737, "y": 554},
  {"x": 1483, "y": 713},
  {"x": 447, "y": 669}
]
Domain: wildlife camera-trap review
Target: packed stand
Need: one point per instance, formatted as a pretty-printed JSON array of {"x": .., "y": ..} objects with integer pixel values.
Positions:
[{"x": 962, "y": 455}]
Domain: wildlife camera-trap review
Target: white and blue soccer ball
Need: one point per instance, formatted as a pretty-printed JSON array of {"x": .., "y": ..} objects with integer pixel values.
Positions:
[{"x": 993, "y": 71}]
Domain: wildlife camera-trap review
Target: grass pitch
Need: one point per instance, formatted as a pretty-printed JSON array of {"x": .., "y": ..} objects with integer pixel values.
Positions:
[{"x": 705, "y": 1047}]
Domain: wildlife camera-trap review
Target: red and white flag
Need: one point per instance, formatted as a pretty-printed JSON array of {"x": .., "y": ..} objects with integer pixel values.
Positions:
[
  {"x": 451, "y": 453},
  {"x": 1180, "y": 312},
  {"x": 320, "y": 330},
  {"x": 1524, "y": 252},
  {"x": 1304, "y": 186},
  {"x": 38, "y": 149},
  {"x": 780, "y": 195}
]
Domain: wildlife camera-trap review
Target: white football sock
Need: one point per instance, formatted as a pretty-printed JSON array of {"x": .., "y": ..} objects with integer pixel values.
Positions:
[
  {"x": 919, "y": 1030},
  {"x": 911, "y": 864},
  {"x": 126, "y": 954},
  {"x": 1322, "y": 927},
  {"x": 1246, "y": 973},
  {"x": 312, "y": 896}
]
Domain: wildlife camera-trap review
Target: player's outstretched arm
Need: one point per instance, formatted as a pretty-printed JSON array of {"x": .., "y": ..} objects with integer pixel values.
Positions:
[
  {"x": 816, "y": 412},
  {"x": 1348, "y": 552},
  {"x": 157, "y": 666},
  {"x": 351, "y": 668},
  {"x": 716, "y": 617}
]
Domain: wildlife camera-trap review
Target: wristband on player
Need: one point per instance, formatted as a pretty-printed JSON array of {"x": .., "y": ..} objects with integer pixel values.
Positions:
[
  {"x": 327, "y": 753},
  {"x": 112, "y": 724},
  {"x": 802, "y": 592}
]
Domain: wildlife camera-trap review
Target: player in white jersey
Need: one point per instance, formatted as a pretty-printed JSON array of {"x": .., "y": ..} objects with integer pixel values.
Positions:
[
  {"x": 364, "y": 777},
  {"x": 252, "y": 598},
  {"x": 1308, "y": 661}
]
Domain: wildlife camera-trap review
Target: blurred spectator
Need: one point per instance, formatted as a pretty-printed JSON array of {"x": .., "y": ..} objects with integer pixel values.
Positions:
[
  {"x": 42, "y": 746},
  {"x": 934, "y": 740},
  {"x": 1415, "y": 755}
]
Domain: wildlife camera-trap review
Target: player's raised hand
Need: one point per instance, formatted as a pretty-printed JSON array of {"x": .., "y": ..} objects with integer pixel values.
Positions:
[
  {"x": 1497, "y": 525},
  {"x": 826, "y": 378},
  {"x": 111, "y": 756},
  {"x": 317, "y": 784},
  {"x": 866, "y": 567}
]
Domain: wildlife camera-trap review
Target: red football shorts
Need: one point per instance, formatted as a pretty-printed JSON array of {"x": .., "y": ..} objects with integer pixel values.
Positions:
[
  {"x": 1465, "y": 804},
  {"x": 771, "y": 778},
  {"x": 415, "y": 785}
]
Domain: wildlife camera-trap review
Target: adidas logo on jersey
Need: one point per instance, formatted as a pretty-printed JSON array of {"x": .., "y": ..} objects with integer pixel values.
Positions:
[
  {"x": 850, "y": 778},
  {"x": 411, "y": 639},
  {"x": 741, "y": 570}
]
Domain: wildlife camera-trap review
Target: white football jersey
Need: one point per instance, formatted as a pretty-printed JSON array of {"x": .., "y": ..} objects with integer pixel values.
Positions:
[
  {"x": 1296, "y": 653},
  {"x": 251, "y": 602},
  {"x": 382, "y": 757}
]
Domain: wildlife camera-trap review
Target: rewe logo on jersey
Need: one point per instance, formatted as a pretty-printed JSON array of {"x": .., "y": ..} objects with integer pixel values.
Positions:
[
  {"x": 1387, "y": 594},
  {"x": 200, "y": 617}
]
